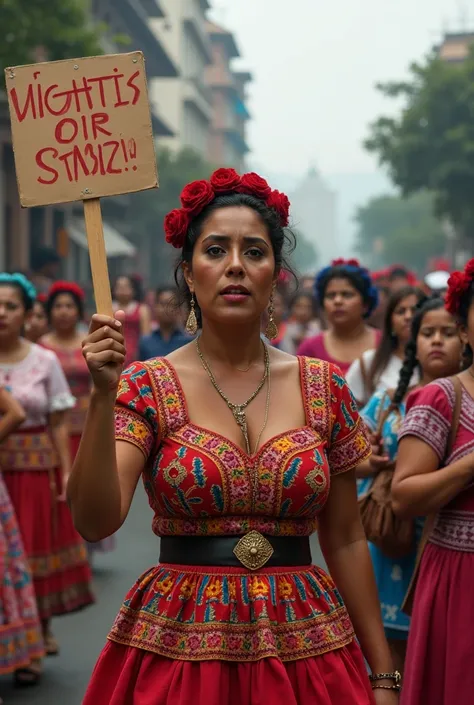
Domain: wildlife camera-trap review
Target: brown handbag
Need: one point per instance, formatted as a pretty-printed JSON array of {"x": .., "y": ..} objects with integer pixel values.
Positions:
[
  {"x": 393, "y": 535},
  {"x": 430, "y": 522}
]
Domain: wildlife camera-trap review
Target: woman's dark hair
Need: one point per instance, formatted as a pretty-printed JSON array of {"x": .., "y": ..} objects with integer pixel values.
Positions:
[
  {"x": 464, "y": 305},
  {"x": 304, "y": 295},
  {"x": 78, "y": 302},
  {"x": 26, "y": 298},
  {"x": 135, "y": 283},
  {"x": 358, "y": 276},
  {"x": 432, "y": 303},
  {"x": 389, "y": 342},
  {"x": 281, "y": 239}
]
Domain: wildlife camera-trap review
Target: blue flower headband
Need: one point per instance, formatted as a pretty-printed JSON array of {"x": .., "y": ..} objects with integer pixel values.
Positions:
[
  {"x": 21, "y": 281},
  {"x": 343, "y": 267}
]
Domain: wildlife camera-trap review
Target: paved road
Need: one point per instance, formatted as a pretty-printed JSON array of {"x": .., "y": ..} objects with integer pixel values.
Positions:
[{"x": 82, "y": 635}]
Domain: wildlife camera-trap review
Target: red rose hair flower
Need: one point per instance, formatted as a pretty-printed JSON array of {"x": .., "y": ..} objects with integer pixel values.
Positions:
[
  {"x": 64, "y": 287},
  {"x": 196, "y": 196},
  {"x": 458, "y": 285},
  {"x": 199, "y": 194},
  {"x": 225, "y": 181},
  {"x": 176, "y": 226},
  {"x": 280, "y": 202},
  {"x": 254, "y": 185}
]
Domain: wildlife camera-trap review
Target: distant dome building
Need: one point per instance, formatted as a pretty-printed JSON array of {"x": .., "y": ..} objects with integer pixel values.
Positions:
[{"x": 314, "y": 212}]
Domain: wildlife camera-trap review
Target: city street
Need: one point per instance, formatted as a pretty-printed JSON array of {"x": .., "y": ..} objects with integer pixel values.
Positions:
[{"x": 82, "y": 636}]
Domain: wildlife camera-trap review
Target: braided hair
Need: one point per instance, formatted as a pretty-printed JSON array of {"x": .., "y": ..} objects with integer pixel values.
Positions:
[
  {"x": 410, "y": 363},
  {"x": 465, "y": 302}
]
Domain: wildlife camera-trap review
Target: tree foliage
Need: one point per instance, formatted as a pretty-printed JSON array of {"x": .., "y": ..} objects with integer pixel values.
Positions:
[
  {"x": 429, "y": 145},
  {"x": 391, "y": 229},
  {"x": 60, "y": 28}
]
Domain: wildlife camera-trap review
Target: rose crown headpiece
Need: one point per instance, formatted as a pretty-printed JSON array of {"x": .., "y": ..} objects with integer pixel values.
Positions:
[
  {"x": 65, "y": 287},
  {"x": 458, "y": 285},
  {"x": 199, "y": 194}
]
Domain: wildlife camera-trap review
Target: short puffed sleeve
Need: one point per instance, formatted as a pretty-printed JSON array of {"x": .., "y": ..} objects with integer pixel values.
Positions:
[
  {"x": 58, "y": 391},
  {"x": 349, "y": 443},
  {"x": 136, "y": 415},
  {"x": 429, "y": 413}
]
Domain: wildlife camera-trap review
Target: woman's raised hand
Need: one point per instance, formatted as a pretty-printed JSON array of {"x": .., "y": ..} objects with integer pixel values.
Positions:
[{"x": 104, "y": 350}]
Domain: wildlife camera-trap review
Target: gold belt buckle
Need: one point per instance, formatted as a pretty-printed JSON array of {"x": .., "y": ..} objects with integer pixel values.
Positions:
[{"x": 253, "y": 550}]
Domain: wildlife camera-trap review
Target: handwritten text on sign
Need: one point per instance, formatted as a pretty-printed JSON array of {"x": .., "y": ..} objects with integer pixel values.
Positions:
[{"x": 81, "y": 128}]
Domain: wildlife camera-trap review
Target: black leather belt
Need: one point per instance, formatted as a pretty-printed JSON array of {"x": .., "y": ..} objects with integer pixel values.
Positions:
[{"x": 253, "y": 550}]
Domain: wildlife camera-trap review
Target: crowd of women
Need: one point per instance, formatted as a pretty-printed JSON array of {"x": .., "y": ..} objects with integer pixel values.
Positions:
[{"x": 249, "y": 439}]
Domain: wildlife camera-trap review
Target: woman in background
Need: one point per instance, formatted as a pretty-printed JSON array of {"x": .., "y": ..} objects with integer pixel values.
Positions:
[
  {"x": 302, "y": 322},
  {"x": 435, "y": 476},
  {"x": 65, "y": 312},
  {"x": 37, "y": 324},
  {"x": 380, "y": 368},
  {"x": 433, "y": 351},
  {"x": 128, "y": 297},
  {"x": 21, "y": 641},
  {"x": 36, "y": 461},
  {"x": 347, "y": 296}
]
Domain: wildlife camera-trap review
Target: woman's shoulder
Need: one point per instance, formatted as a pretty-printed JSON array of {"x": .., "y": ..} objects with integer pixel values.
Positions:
[
  {"x": 43, "y": 353},
  {"x": 438, "y": 395}
]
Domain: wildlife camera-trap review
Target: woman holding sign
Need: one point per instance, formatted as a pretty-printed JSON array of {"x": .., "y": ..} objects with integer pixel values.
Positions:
[
  {"x": 35, "y": 461},
  {"x": 243, "y": 448}
]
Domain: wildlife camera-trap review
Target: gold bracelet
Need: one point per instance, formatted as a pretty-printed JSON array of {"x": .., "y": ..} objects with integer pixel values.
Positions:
[
  {"x": 395, "y": 676},
  {"x": 387, "y": 687}
]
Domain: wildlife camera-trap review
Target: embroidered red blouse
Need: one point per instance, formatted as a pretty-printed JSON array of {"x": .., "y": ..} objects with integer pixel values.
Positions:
[{"x": 200, "y": 483}]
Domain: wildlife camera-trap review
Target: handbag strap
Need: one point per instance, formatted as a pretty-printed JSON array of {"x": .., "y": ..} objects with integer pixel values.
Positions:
[
  {"x": 456, "y": 382},
  {"x": 385, "y": 413}
]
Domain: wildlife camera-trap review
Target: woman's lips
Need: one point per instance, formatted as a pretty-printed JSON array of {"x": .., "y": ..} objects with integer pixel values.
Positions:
[{"x": 234, "y": 298}]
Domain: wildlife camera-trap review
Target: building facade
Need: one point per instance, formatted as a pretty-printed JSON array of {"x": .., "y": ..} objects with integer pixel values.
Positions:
[
  {"x": 22, "y": 231},
  {"x": 185, "y": 102},
  {"x": 227, "y": 144}
]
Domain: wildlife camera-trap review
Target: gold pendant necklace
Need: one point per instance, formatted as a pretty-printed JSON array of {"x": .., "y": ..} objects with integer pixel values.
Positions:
[{"x": 238, "y": 410}]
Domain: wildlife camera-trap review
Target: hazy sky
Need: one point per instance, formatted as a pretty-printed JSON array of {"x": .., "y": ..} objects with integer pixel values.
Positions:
[{"x": 316, "y": 63}]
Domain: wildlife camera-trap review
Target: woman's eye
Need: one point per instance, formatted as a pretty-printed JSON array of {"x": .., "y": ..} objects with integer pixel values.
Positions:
[
  {"x": 214, "y": 251},
  {"x": 255, "y": 252}
]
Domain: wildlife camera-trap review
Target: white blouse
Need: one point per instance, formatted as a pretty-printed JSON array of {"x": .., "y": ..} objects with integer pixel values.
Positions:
[
  {"x": 387, "y": 380},
  {"x": 38, "y": 383}
]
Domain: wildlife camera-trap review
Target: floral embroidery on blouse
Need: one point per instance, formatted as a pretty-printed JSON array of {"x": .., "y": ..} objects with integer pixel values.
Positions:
[{"x": 200, "y": 483}]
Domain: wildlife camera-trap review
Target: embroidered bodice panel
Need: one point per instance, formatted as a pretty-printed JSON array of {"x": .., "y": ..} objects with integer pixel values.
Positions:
[{"x": 200, "y": 483}]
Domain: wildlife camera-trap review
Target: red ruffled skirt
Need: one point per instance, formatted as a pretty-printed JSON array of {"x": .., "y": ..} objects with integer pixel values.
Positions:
[
  {"x": 441, "y": 640},
  {"x": 125, "y": 675},
  {"x": 56, "y": 553}
]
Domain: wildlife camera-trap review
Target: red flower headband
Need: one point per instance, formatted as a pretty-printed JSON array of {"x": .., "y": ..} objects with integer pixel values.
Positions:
[
  {"x": 458, "y": 284},
  {"x": 199, "y": 194},
  {"x": 63, "y": 287},
  {"x": 341, "y": 262}
]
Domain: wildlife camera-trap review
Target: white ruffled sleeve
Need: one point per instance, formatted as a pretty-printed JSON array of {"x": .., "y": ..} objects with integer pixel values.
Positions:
[{"x": 59, "y": 394}]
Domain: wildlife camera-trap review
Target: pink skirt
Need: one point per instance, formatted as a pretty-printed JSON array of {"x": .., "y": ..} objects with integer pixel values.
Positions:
[
  {"x": 125, "y": 675},
  {"x": 439, "y": 664}
]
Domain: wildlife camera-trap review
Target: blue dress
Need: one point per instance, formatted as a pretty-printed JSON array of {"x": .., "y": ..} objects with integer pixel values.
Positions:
[{"x": 393, "y": 576}]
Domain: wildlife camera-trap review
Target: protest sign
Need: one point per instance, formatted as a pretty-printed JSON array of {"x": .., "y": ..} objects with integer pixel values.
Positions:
[{"x": 82, "y": 130}]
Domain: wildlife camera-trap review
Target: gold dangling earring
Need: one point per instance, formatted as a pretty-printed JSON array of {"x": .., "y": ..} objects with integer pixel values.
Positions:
[
  {"x": 191, "y": 323},
  {"x": 271, "y": 331}
]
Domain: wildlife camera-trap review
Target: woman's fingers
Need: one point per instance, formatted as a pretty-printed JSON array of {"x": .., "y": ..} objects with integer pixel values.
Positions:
[
  {"x": 107, "y": 344},
  {"x": 100, "y": 359},
  {"x": 99, "y": 321}
]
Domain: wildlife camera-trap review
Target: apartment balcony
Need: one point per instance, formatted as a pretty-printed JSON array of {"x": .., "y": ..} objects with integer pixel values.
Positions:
[
  {"x": 195, "y": 25},
  {"x": 152, "y": 8},
  {"x": 132, "y": 19},
  {"x": 196, "y": 93}
]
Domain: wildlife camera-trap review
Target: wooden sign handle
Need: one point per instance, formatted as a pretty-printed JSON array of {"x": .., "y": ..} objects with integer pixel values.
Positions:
[{"x": 98, "y": 256}]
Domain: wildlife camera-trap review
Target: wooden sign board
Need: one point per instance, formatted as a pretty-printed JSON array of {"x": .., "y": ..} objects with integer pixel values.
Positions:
[{"x": 81, "y": 128}]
